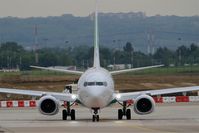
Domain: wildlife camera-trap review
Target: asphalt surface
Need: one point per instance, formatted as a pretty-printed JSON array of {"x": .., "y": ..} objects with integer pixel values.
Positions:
[{"x": 168, "y": 118}]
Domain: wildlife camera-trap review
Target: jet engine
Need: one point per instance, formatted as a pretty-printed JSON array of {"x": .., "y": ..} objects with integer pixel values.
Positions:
[
  {"x": 48, "y": 105},
  {"x": 144, "y": 104}
]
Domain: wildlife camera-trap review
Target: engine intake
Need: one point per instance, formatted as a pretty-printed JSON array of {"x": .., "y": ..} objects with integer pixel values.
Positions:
[
  {"x": 48, "y": 105},
  {"x": 144, "y": 104}
]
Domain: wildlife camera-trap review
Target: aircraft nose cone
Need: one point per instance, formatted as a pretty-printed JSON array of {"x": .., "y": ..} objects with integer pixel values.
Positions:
[
  {"x": 97, "y": 96},
  {"x": 96, "y": 92}
]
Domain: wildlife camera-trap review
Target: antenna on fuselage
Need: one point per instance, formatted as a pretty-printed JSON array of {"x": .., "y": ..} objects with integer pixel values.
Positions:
[{"x": 96, "y": 62}]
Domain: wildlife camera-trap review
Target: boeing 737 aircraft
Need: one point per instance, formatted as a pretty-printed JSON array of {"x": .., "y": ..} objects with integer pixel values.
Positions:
[{"x": 96, "y": 91}]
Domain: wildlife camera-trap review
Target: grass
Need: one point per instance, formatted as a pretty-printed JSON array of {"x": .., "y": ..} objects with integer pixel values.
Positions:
[
  {"x": 34, "y": 73},
  {"x": 9, "y": 74},
  {"x": 42, "y": 73},
  {"x": 156, "y": 78},
  {"x": 154, "y": 71}
]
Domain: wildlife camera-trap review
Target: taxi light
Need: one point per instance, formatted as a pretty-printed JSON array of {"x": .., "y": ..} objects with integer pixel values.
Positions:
[
  {"x": 74, "y": 96},
  {"x": 118, "y": 96}
]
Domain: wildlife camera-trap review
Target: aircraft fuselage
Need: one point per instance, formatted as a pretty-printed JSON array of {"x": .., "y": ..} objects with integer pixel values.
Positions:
[{"x": 96, "y": 88}]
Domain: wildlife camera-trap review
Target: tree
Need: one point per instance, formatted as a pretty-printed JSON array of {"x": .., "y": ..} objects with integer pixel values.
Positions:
[
  {"x": 10, "y": 54},
  {"x": 194, "y": 53},
  {"x": 164, "y": 55},
  {"x": 193, "y": 47},
  {"x": 128, "y": 48},
  {"x": 182, "y": 54}
]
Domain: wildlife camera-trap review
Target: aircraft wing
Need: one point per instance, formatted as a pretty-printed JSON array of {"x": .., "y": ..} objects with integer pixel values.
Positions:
[
  {"x": 59, "y": 70},
  {"x": 134, "y": 95},
  {"x": 60, "y": 96},
  {"x": 133, "y": 69}
]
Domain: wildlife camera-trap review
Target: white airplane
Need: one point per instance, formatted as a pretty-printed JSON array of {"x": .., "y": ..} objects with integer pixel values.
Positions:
[{"x": 96, "y": 91}]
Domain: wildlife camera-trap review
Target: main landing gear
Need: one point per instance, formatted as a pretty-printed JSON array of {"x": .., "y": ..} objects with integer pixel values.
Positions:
[
  {"x": 95, "y": 116},
  {"x": 124, "y": 112},
  {"x": 68, "y": 112}
]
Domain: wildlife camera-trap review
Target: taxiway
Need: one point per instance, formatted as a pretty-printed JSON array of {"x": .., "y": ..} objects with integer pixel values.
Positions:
[{"x": 166, "y": 119}]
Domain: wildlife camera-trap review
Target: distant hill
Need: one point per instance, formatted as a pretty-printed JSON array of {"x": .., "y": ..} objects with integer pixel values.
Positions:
[{"x": 115, "y": 30}]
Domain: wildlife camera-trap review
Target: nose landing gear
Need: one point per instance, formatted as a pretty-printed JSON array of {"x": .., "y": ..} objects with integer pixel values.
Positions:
[{"x": 95, "y": 116}]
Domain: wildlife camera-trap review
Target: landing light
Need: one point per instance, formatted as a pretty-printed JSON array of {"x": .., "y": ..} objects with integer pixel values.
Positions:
[
  {"x": 74, "y": 96},
  {"x": 118, "y": 96}
]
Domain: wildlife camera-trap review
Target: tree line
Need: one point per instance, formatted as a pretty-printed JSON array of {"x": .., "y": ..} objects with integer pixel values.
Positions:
[{"x": 13, "y": 55}]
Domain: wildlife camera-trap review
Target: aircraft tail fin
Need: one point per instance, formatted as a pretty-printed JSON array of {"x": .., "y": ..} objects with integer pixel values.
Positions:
[{"x": 96, "y": 62}]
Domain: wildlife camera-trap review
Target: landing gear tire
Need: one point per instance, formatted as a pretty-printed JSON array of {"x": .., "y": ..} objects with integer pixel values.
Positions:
[
  {"x": 120, "y": 114},
  {"x": 72, "y": 114},
  {"x": 64, "y": 115},
  {"x": 128, "y": 114},
  {"x": 124, "y": 112},
  {"x": 96, "y": 118},
  {"x": 93, "y": 118}
]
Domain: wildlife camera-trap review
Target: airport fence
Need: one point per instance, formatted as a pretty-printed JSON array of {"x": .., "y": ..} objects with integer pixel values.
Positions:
[{"x": 161, "y": 100}]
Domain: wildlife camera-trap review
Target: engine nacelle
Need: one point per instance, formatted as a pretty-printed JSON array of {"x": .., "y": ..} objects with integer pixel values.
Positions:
[
  {"x": 144, "y": 104},
  {"x": 48, "y": 105}
]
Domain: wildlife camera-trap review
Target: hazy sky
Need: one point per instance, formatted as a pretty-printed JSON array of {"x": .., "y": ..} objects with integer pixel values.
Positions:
[{"x": 29, "y": 8}]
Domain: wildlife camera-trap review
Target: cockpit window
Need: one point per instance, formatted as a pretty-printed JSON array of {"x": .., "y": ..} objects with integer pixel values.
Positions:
[
  {"x": 85, "y": 84},
  {"x": 99, "y": 83},
  {"x": 91, "y": 83},
  {"x": 95, "y": 84}
]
